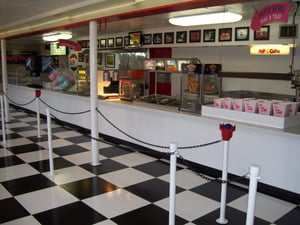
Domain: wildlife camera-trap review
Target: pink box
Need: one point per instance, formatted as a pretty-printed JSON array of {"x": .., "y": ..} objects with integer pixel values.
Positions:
[
  {"x": 238, "y": 104},
  {"x": 227, "y": 103},
  {"x": 218, "y": 102},
  {"x": 250, "y": 105},
  {"x": 265, "y": 107},
  {"x": 294, "y": 108},
  {"x": 281, "y": 109}
]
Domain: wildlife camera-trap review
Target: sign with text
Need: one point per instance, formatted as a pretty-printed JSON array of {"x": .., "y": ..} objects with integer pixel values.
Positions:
[
  {"x": 271, "y": 13},
  {"x": 270, "y": 50}
]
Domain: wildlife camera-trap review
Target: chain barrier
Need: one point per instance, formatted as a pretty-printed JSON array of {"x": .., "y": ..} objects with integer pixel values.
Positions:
[
  {"x": 188, "y": 165},
  {"x": 63, "y": 112},
  {"x": 150, "y": 144},
  {"x": 67, "y": 126},
  {"x": 19, "y": 104},
  {"x": 208, "y": 178}
]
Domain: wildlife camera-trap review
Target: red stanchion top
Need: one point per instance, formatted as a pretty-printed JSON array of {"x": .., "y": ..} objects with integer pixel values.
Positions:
[
  {"x": 227, "y": 131},
  {"x": 37, "y": 93}
]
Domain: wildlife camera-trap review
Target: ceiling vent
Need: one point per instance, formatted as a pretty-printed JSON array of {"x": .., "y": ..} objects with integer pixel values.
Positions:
[{"x": 288, "y": 31}]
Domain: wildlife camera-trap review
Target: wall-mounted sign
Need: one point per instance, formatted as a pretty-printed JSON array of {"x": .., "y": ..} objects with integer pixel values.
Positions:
[
  {"x": 270, "y": 50},
  {"x": 71, "y": 44},
  {"x": 271, "y": 13}
]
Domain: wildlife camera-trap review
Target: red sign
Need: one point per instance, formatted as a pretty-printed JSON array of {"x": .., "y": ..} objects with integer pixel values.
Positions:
[
  {"x": 71, "y": 44},
  {"x": 271, "y": 13}
]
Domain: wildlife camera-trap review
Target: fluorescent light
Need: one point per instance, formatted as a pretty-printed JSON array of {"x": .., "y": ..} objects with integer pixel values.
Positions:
[
  {"x": 204, "y": 19},
  {"x": 54, "y": 36}
]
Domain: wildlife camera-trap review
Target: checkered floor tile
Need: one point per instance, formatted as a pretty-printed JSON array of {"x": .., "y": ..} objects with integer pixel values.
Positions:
[{"x": 127, "y": 188}]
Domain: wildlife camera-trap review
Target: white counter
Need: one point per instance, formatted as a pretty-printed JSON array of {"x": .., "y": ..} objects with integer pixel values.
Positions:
[{"x": 275, "y": 150}]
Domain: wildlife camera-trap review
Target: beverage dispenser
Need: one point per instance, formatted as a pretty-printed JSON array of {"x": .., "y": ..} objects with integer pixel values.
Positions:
[{"x": 108, "y": 86}]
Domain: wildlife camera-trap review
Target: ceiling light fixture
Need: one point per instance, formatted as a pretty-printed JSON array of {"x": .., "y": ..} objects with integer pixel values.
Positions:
[
  {"x": 54, "y": 36},
  {"x": 205, "y": 19}
]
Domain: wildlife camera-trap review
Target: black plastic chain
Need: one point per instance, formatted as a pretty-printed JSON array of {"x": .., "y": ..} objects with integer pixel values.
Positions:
[
  {"x": 205, "y": 177},
  {"x": 19, "y": 104},
  {"x": 130, "y": 136},
  {"x": 150, "y": 144},
  {"x": 63, "y": 112}
]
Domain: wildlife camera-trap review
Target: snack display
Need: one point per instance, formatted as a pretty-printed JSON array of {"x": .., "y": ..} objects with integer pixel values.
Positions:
[{"x": 259, "y": 106}]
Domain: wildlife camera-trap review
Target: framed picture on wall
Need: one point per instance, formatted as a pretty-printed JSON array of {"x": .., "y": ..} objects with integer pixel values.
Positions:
[
  {"x": 157, "y": 38},
  {"x": 169, "y": 38},
  {"x": 126, "y": 40},
  {"x": 262, "y": 34},
  {"x": 102, "y": 43},
  {"x": 241, "y": 33},
  {"x": 110, "y": 42},
  {"x": 147, "y": 39},
  {"x": 135, "y": 39},
  {"x": 195, "y": 35},
  {"x": 209, "y": 35},
  {"x": 119, "y": 41},
  {"x": 110, "y": 60},
  {"x": 181, "y": 36},
  {"x": 225, "y": 34}
]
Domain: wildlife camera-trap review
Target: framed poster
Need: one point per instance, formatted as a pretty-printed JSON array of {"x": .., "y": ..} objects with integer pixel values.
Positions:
[
  {"x": 147, "y": 39},
  {"x": 169, "y": 38},
  {"x": 157, "y": 38},
  {"x": 119, "y": 41},
  {"x": 209, "y": 35},
  {"x": 225, "y": 34},
  {"x": 241, "y": 33},
  {"x": 135, "y": 39},
  {"x": 160, "y": 64},
  {"x": 171, "y": 65},
  {"x": 102, "y": 43},
  {"x": 110, "y": 60},
  {"x": 195, "y": 35},
  {"x": 181, "y": 36},
  {"x": 262, "y": 34},
  {"x": 110, "y": 42},
  {"x": 126, "y": 40}
]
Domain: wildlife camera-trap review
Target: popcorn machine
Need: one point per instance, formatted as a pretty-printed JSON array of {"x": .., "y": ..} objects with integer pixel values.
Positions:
[{"x": 131, "y": 84}]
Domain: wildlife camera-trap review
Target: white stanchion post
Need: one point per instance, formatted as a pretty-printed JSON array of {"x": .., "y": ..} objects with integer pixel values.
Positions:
[
  {"x": 254, "y": 177},
  {"x": 94, "y": 93},
  {"x": 172, "y": 188},
  {"x": 4, "y": 79},
  {"x": 3, "y": 122},
  {"x": 51, "y": 167},
  {"x": 227, "y": 130},
  {"x": 222, "y": 219},
  {"x": 38, "y": 119}
]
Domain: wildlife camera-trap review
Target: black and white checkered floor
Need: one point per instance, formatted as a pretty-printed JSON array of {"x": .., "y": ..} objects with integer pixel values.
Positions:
[{"x": 128, "y": 188}]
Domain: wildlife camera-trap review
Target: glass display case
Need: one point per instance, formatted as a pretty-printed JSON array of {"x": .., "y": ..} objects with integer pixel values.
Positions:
[
  {"x": 212, "y": 87},
  {"x": 192, "y": 91}
]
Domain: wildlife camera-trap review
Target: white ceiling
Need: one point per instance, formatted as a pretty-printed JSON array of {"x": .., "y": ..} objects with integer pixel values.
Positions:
[{"x": 15, "y": 12}]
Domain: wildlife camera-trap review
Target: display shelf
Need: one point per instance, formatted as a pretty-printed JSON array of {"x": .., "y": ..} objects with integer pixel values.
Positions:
[{"x": 251, "y": 118}]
